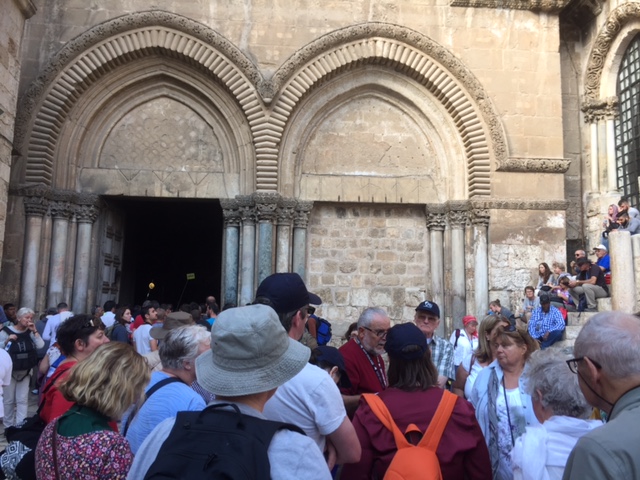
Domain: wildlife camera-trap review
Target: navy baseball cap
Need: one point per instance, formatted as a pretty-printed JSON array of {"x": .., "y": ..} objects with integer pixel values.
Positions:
[
  {"x": 286, "y": 292},
  {"x": 402, "y": 341},
  {"x": 331, "y": 356},
  {"x": 429, "y": 307}
]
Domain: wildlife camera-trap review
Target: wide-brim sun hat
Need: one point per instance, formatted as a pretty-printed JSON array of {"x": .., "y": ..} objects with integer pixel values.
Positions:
[{"x": 250, "y": 353}]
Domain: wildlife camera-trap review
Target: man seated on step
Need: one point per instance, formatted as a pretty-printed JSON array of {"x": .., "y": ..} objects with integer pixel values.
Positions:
[
  {"x": 546, "y": 324},
  {"x": 169, "y": 390},
  {"x": 311, "y": 399},
  {"x": 589, "y": 281},
  {"x": 251, "y": 356}
]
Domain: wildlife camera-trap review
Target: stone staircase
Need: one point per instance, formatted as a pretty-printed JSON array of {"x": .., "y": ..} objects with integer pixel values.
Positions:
[{"x": 575, "y": 322}]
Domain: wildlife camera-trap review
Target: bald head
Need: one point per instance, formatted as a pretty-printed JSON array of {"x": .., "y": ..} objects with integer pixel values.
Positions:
[{"x": 613, "y": 340}]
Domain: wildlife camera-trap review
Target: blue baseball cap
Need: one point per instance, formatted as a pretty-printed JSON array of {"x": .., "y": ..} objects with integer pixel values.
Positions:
[
  {"x": 286, "y": 292},
  {"x": 402, "y": 341},
  {"x": 429, "y": 307}
]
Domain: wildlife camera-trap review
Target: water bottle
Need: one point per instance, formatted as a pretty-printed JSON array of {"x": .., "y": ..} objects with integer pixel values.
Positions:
[{"x": 8, "y": 345}]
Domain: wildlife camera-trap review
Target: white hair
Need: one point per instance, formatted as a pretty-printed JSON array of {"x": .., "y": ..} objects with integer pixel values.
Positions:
[
  {"x": 612, "y": 339},
  {"x": 369, "y": 315},
  {"x": 24, "y": 311},
  {"x": 547, "y": 372},
  {"x": 182, "y": 344}
]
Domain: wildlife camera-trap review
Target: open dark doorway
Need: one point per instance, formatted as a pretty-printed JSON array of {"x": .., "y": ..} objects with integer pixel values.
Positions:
[{"x": 166, "y": 240}]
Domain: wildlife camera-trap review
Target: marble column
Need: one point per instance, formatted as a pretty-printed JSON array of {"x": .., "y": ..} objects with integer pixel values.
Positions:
[
  {"x": 284, "y": 214},
  {"x": 266, "y": 205},
  {"x": 623, "y": 283},
  {"x": 61, "y": 211},
  {"x": 247, "y": 210},
  {"x": 635, "y": 245},
  {"x": 612, "y": 173},
  {"x": 86, "y": 214},
  {"x": 480, "y": 222},
  {"x": 436, "y": 221},
  {"x": 300, "y": 224},
  {"x": 231, "y": 250},
  {"x": 35, "y": 208},
  {"x": 457, "y": 222},
  {"x": 595, "y": 170}
]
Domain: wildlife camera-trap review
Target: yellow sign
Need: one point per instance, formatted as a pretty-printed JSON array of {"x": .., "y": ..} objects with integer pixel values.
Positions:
[{"x": 191, "y": 276}]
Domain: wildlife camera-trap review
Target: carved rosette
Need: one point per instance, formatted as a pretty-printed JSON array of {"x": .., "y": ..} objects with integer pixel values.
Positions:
[
  {"x": 247, "y": 209},
  {"x": 286, "y": 210},
  {"x": 597, "y": 110},
  {"x": 302, "y": 212},
  {"x": 230, "y": 212},
  {"x": 266, "y": 206},
  {"x": 35, "y": 206}
]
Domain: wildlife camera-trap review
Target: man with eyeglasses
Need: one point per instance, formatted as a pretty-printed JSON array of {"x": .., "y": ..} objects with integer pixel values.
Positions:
[
  {"x": 311, "y": 399},
  {"x": 608, "y": 368},
  {"x": 363, "y": 357},
  {"x": 427, "y": 318}
]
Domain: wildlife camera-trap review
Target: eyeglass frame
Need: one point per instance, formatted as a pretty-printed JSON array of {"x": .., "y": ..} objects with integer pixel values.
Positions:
[
  {"x": 574, "y": 362},
  {"x": 378, "y": 333}
]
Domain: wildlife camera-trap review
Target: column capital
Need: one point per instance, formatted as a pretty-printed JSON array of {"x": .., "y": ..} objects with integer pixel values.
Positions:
[
  {"x": 480, "y": 217},
  {"x": 35, "y": 206},
  {"x": 230, "y": 212},
  {"x": 302, "y": 211},
  {"x": 247, "y": 209},
  {"x": 286, "y": 210},
  {"x": 600, "y": 109},
  {"x": 436, "y": 216},
  {"x": 266, "y": 204},
  {"x": 87, "y": 207},
  {"x": 458, "y": 212}
]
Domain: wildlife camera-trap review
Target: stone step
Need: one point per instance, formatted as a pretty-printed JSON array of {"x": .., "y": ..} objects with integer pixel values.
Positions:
[
  {"x": 565, "y": 346},
  {"x": 579, "y": 318},
  {"x": 604, "y": 304}
]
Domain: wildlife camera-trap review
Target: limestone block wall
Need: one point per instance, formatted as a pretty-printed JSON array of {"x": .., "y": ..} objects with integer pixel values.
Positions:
[
  {"x": 363, "y": 256},
  {"x": 12, "y": 19}
]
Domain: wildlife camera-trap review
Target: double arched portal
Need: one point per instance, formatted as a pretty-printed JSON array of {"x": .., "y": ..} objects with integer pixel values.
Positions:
[{"x": 156, "y": 106}]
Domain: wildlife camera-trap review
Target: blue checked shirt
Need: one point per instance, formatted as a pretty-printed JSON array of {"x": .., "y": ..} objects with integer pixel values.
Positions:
[
  {"x": 541, "y": 323},
  {"x": 442, "y": 356}
]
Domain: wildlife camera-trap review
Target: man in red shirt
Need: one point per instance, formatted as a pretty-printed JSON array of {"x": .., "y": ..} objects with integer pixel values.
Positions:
[{"x": 362, "y": 357}]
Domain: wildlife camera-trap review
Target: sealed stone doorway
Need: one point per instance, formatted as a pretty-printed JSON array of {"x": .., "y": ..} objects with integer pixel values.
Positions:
[{"x": 164, "y": 240}]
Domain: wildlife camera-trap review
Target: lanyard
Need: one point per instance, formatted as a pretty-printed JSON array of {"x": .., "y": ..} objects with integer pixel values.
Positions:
[{"x": 380, "y": 373}]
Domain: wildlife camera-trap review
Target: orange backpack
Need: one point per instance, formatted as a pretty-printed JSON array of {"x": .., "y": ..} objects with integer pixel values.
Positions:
[{"x": 415, "y": 462}]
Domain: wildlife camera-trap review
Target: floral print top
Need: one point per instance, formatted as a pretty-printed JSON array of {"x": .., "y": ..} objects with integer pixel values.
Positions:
[{"x": 90, "y": 456}]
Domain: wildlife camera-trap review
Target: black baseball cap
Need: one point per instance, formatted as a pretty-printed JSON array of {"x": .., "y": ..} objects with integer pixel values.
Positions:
[
  {"x": 333, "y": 357},
  {"x": 429, "y": 307},
  {"x": 286, "y": 292},
  {"x": 402, "y": 340}
]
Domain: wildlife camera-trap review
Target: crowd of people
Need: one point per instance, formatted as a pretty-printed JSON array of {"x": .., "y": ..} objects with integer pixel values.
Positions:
[{"x": 199, "y": 393}]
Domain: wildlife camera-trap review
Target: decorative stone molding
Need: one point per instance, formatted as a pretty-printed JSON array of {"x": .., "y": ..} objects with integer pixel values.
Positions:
[
  {"x": 458, "y": 219},
  {"x": 286, "y": 210},
  {"x": 479, "y": 217},
  {"x": 266, "y": 205},
  {"x": 596, "y": 110},
  {"x": 546, "y": 6},
  {"x": 230, "y": 212},
  {"x": 602, "y": 45},
  {"x": 534, "y": 165},
  {"x": 499, "y": 204},
  {"x": 302, "y": 212},
  {"x": 85, "y": 59},
  {"x": 436, "y": 216},
  {"x": 419, "y": 57},
  {"x": 62, "y": 209},
  {"x": 247, "y": 209}
]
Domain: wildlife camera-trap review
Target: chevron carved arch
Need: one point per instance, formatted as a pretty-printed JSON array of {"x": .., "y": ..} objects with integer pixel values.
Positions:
[
  {"x": 46, "y": 105},
  {"x": 416, "y": 56}
]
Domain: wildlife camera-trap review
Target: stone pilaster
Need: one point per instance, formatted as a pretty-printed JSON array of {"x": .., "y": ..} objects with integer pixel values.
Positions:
[
  {"x": 457, "y": 221},
  {"x": 300, "y": 224},
  {"x": 231, "y": 214},
  {"x": 248, "y": 215},
  {"x": 36, "y": 206},
  {"x": 436, "y": 223},
  {"x": 284, "y": 215},
  {"x": 86, "y": 211},
  {"x": 480, "y": 220},
  {"x": 266, "y": 206},
  {"x": 623, "y": 282},
  {"x": 61, "y": 210}
]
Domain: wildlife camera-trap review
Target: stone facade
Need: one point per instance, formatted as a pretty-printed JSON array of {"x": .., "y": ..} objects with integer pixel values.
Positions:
[{"x": 388, "y": 152}]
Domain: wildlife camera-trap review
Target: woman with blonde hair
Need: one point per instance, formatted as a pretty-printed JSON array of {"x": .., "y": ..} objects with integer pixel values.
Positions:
[
  {"x": 81, "y": 443},
  {"x": 482, "y": 356}
]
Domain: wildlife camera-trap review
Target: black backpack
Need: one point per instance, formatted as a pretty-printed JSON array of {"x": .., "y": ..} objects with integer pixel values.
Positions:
[
  {"x": 216, "y": 443},
  {"x": 23, "y": 352}
]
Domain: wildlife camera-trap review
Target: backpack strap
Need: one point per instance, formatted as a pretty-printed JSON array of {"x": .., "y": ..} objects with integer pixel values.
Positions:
[
  {"x": 52, "y": 381},
  {"x": 150, "y": 392},
  {"x": 381, "y": 411},
  {"x": 434, "y": 432},
  {"x": 457, "y": 337}
]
